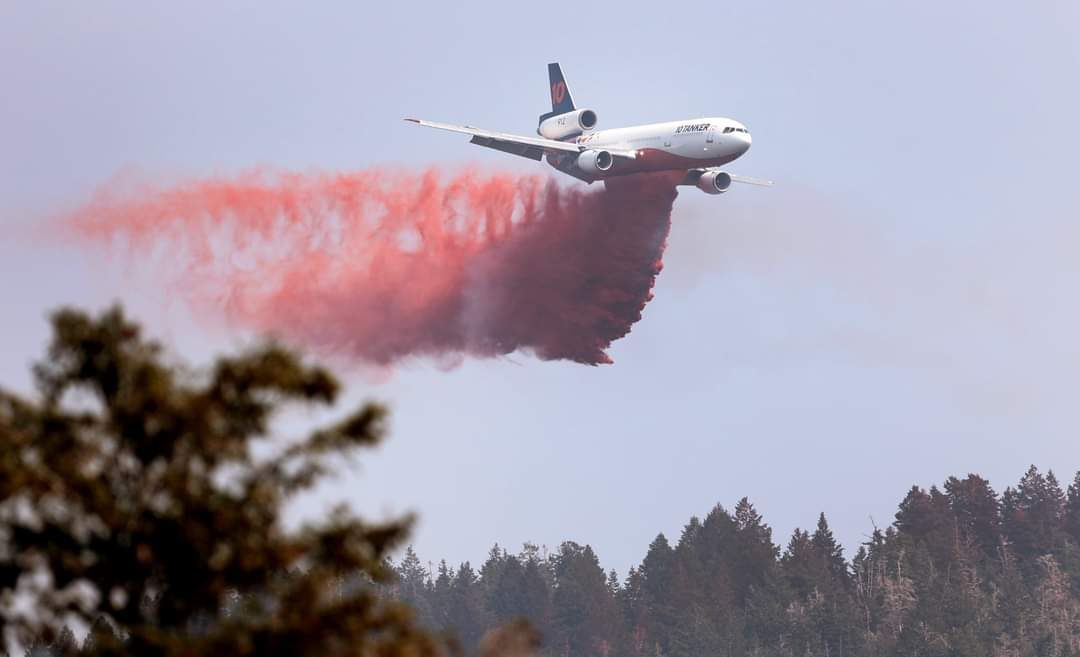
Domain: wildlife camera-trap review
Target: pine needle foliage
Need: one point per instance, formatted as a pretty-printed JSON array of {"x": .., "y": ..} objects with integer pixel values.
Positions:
[{"x": 133, "y": 498}]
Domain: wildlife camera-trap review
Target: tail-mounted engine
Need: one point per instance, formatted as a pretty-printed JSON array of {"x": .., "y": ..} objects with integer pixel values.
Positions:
[
  {"x": 566, "y": 125},
  {"x": 714, "y": 182}
]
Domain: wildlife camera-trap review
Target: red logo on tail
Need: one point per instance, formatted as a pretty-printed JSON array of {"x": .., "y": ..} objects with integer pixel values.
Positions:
[{"x": 558, "y": 92}]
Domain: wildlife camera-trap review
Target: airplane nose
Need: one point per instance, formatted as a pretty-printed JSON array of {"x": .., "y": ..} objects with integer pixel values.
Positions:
[{"x": 744, "y": 142}]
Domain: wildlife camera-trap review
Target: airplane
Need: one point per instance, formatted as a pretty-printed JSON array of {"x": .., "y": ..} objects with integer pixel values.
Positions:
[{"x": 569, "y": 141}]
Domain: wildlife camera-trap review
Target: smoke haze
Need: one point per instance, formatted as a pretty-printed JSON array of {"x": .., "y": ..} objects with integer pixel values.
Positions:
[{"x": 380, "y": 266}]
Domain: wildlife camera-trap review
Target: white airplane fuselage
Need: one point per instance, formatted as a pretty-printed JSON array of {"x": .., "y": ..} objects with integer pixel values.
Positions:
[{"x": 669, "y": 146}]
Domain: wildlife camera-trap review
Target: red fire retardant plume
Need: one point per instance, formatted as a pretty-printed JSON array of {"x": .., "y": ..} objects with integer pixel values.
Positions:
[{"x": 380, "y": 266}]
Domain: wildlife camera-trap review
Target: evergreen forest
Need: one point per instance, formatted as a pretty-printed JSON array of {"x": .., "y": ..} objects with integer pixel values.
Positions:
[{"x": 961, "y": 571}]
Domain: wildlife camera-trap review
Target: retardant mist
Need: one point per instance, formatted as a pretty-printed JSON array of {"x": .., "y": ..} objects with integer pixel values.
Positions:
[{"x": 379, "y": 266}]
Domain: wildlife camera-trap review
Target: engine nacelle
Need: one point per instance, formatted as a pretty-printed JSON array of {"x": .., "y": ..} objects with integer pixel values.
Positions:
[
  {"x": 566, "y": 125},
  {"x": 714, "y": 182},
  {"x": 595, "y": 161}
]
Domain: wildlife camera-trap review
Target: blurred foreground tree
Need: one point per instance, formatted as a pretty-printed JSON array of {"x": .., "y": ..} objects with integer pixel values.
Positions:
[{"x": 131, "y": 499}]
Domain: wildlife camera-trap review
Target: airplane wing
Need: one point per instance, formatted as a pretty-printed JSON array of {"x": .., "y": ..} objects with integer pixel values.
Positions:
[
  {"x": 693, "y": 175},
  {"x": 751, "y": 181},
  {"x": 530, "y": 147}
]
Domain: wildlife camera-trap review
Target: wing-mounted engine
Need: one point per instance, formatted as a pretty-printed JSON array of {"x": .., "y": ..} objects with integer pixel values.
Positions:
[
  {"x": 714, "y": 182},
  {"x": 594, "y": 162},
  {"x": 570, "y": 124}
]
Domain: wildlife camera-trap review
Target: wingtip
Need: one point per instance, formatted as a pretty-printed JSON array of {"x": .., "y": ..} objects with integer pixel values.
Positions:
[{"x": 411, "y": 120}]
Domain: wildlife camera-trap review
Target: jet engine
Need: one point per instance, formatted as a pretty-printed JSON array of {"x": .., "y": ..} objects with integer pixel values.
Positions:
[
  {"x": 595, "y": 161},
  {"x": 566, "y": 125},
  {"x": 714, "y": 182}
]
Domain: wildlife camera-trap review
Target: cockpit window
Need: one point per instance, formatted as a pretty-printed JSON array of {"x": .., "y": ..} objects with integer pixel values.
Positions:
[{"x": 728, "y": 129}]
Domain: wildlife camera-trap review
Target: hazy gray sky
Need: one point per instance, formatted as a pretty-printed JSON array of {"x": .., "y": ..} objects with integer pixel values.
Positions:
[{"x": 902, "y": 306}]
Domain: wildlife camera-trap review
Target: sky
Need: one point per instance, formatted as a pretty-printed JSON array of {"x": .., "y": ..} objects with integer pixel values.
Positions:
[{"x": 902, "y": 306}]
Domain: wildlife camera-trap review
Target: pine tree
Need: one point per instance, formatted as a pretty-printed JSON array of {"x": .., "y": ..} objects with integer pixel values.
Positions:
[
  {"x": 414, "y": 586},
  {"x": 800, "y": 565},
  {"x": 755, "y": 553},
  {"x": 926, "y": 518},
  {"x": 657, "y": 578},
  {"x": 131, "y": 485},
  {"x": 634, "y": 605},
  {"x": 1053, "y": 509},
  {"x": 1033, "y": 515},
  {"x": 977, "y": 511},
  {"x": 537, "y": 581},
  {"x": 712, "y": 577},
  {"x": 1072, "y": 510},
  {"x": 834, "y": 614},
  {"x": 496, "y": 578},
  {"x": 613, "y": 583},
  {"x": 689, "y": 581},
  {"x": 829, "y": 552},
  {"x": 514, "y": 588},
  {"x": 586, "y": 618},
  {"x": 441, "y": 596},
  {"x": 413, "y": 577},
  {"x": 467, "y": 616}
]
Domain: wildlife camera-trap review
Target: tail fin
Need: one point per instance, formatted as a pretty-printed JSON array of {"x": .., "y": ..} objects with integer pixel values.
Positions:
[{"x": 561, "y": 102}]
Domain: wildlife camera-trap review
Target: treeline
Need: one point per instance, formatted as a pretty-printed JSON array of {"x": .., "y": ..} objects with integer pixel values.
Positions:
[{"x": 961, "y": 571}]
